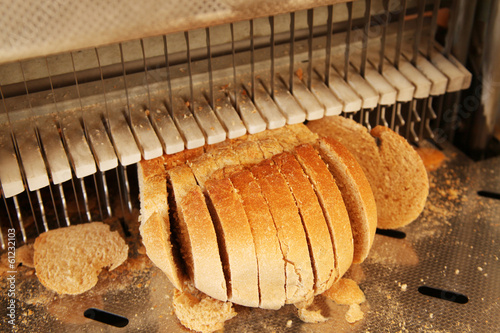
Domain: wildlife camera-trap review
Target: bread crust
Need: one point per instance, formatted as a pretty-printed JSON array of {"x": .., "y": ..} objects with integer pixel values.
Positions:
[
  {"x": 233, "y": 228},
  {"x": 357, "y": 194},
  {"x": 291, "y": 234},
  {"x": 303, "y": 134},
  {"x": 155, "y": 233},
  {"x": 271, "y": 265},
  {"x": 315, "y": 225},
  {"x": 333, "y": 206},
  {"x": 196, "y": 234},
  {"x": 396, "y": 173},
  {"x": 151, "y": 176}
]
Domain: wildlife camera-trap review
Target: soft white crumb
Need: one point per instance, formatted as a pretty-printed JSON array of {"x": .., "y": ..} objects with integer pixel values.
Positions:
[{"x": 289, "y": 323}]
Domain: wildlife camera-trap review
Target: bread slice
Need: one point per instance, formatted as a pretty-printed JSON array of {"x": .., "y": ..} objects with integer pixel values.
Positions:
[
  {"x": 315, "y": 226},
  {"x": 196, "y": 234},
  {"x": 247, "y": 151},
  {"x": 395, "y": 171},
  {"x": 271, "y": 265},
  {"x": 151, "y": 176},
  {"x": 356, "y": 192},
  {"x": 237, "y": 245},
  {"x": 68, "y": 260},
  {"x": 303, "y": 134},
  {"x": 333, "y": 206},
  {"x": 291, "y": 234},
  {"x": 156, "y": 237}
]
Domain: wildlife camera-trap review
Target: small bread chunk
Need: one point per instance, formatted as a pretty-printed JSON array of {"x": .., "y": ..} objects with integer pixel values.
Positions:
[
  {"x": 236, "y": 242},
  {"x": 317, "y": 233},
  {"x": 201, "y": 313},
  {"x": 156, "y": 237},
  {"x": 267, "y": 247},
  {"x": 196, "y": 234},
  {"x": 356, "y": 192},
  {"x": 394, "y": 169},
  {"x": 345, "y": 292},
  {"x": 152, "y": 179},
  {"x": 69, "y": 260},
  {"x": 291, "y": 234},
  {"x": 333, "y": 206}
]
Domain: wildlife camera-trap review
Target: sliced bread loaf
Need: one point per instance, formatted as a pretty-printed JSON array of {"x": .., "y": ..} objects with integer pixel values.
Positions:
[
  {"x": 395, "y": 171},
  {"x": 332, "y": 204},
  {"x": 291, "y": 234},
  {"x": 271, "y": 265},
  {"x": 315, "y": 226},
  {"x": 356, "y": 192},
  {"x": 196, "y": 234},
  {"x": 69, "y": 260},
  {"x": 236, "y": 242},
  {"x": 156, "y": 237},
  {"x": 152, "y": 180}
]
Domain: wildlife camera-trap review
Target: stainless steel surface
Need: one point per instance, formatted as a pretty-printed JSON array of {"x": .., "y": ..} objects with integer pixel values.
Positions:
[{"x": 454, "y": 246}]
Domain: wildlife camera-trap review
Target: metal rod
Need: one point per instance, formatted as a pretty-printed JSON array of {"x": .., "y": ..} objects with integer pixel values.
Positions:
[
  {"x": 401, "y": 27},
  {"x": 451, "y": 28},
  {"x": 233, "y": 55},
  {"x": 106, "y": 194},
  {"x": 20, "y": 218},
  {"x": 385, "y": 4},
  {"x": 409, "y": 119},
  {"x": 167, "y": 68},
  {"x": 188, "y": 54},
  {"x": 103, "y": 87},
  {"x": 328, "y": 58},
  {"x": 33, "y": 212},
  {"x": 8, "y": 212},
  {"x": 432, "y": 33},
  {"x": 63, "y": 202},
  {"x": 125, "y": 82},
  {"x": 310, "y": 24},
  {"x": 382, "y": 116},
  {"x": 364, "y": 50},
  {"x": 42, "y": 210},
  {"x": 271, "y": 40},
  {"x": 210, "y": 74},
  {"x": 127, "y": 188},
  {"x": 292, "y": 51},
  {"x": 348, "y": 41},
  {"x": 54, "y": 206},
  {"x": 85, "y": 199},
  {"x": 252, "y": 61},
  {"x": 98, "y": 197},
  {"x": 146, "y": 72},
  {"x": 418, "y": 33},
  {"x": 76, "y": 199},
  {"x": 119, "y": 181}
]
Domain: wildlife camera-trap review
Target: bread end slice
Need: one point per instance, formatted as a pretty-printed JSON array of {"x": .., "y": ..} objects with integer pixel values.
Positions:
[
  {"x": 356, "y": 192},
  {"x": 156, "y": 237},
  {"x": 68, "y": 260}
]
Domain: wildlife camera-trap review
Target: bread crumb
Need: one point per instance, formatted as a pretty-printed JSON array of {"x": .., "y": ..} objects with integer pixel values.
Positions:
[
  {"x": 345, "y": 291},
  {"x": 354, "y": 313},
  {"x": 457, "y": 271},
  {"x": 404, "y": 287},
  {"x": 310, "y": 316},
  {"x": 289, "y": 323},
  {"x": 480, "y": 269}
]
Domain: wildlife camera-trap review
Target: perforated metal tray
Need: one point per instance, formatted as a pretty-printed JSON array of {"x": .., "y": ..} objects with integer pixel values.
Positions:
[{"x": 453, "y": 247}]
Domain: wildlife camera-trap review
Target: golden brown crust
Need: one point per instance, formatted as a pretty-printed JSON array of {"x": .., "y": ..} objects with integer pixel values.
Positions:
[
  {"x": 155, "y": 233},
  {"x": 291, "y": 234},
  {"x": 333, "y": 206},
  {"x": 267, "y": 144},
  {"x": 233, "y": 228},
  {"x": 197, "y": 236},
  {"x": 357, "y": 194},
  {"x": 285, "y": 137},
  {"x": 269, "y": 257},
  {"x": 315, "y": 225},
  {"x": 303, "y": 134}
]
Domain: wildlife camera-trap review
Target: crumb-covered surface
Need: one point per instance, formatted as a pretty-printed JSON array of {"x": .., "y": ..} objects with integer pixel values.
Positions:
[{"x": 454, "y": 245}]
